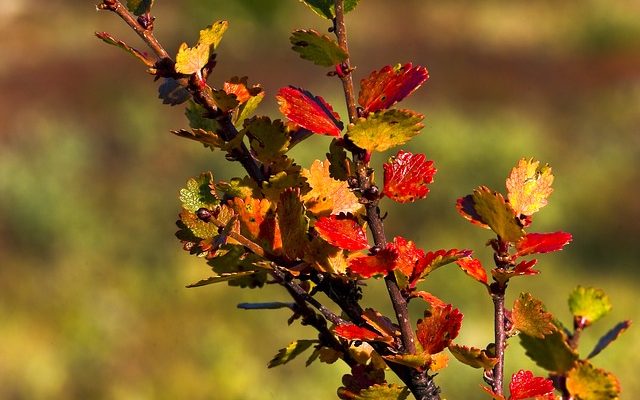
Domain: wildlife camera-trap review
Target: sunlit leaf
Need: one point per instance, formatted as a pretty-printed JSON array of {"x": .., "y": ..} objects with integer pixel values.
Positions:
[
  {"x": 199, "y": 193},
  {"x": 308, "y": 111},
  {"x": 530, "y": 317},
  {"x": 409, "y": 256},
  {"x": 524, "y": 386},
  {"x": 529, "y": 186},
  {"x": 551, "y": 352},
  {"x": 385, "y": 129},
  {"x": 191, "y": 60},
  {"x": 342, "y": 231},
  {"x": 326, "y": 8},
  {"x": 325, "y": 257},
  {"x": 249, "y": 98},
  {"x": 495, "y": 212},
  {"x": 354, "y": 332},
  {"x": 473, "y": 267},
  {"x": 438, "y": 362},
  {"x": 524, "y": 268},
  {"x": 328, "y": 195},
  {"x": 212, "y": 34},
  {"x": 258, "y": 222},
  {"x": 236, "y": 187},
  {"x": 139, "y": 7},
  {"x": 586, "y": 382},
  {"x": 382, "y": 263},
  {"x": 589, "y": 304},
  {"x": 382, "y": 89},
  {"x": 438, "y": 328},
  {"x": 434, "y": 260},
  {"x": 415, "y": 361},
  {"x": 293, "y": 350},
  {"x": 407, "y": 176},
  {"x": 473, "y": 357},
  {"x": 542, "y": 242},
  {"x": 609, "y": 337},
  {"x": 317, "y": 48},
  {"x": 429, "y": 298},
  {"x": 294, "y": 224}
]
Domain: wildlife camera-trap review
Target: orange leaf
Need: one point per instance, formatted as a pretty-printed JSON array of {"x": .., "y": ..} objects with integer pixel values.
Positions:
[
  {"x": 328, "y": 195},
  {"x": 342, "y": 231},
  {"x": 439, "y": 327},
  {"x": 382, "y": 263},
  {"x": 473, "y": 268},
  {"x": 382, "y": 89}
]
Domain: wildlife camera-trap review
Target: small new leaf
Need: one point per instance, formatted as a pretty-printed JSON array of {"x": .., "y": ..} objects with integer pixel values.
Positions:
[
  {"x": 529, "y": 317},
  {"x": 342, "y": 231},
  {"x": 317, "y": 48},
  {"x": 586, "y": 382},
  {"x": 529, "y": 186},
  {"x": 385, "y": 129},
  {"x": 382, "y": 89},
  {"x": 407, "y": 176},
  {"x": 473, "y": 357},
  {"x": 327, "y": 8},
  {"x": 589, "y": 304},
  {"x": 290, "y": 352},
  {"x": 438, "y": 328},
  {"x": 308, "y": 111}
]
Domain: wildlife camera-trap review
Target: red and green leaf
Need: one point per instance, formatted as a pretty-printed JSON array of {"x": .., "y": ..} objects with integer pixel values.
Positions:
[
  {"x": 342, "y": 231},
  {"x": 438, "y": 328},
  {"x": 382, "y": 89},
  {"x": 473, "y": 267},
  {"x": 308, "y": 111},
  {"x": 407, "y": 176},
  {"x": 382, "y": 263},
  {"x": 542, "y": 243}
]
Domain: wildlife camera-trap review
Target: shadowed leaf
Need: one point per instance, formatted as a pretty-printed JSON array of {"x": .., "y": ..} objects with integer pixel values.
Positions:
[
  {"x": 530, "y": 317},
  {"x": 383, "y": 392},
  {"x": 139, "y": 7},
  {"x": 497, "y": 213},
  {"x": 551, "y": 352},
  {"x": 105, "y": 37},
  {"x": 290, "y": 352},
  {"x": 221, "y": 278},
  {"x": 294, "y": 224},
  {"x": 317, "y": 48},
  {"x": 609, "y": 337},
  {"x": 326, "y": 8}
]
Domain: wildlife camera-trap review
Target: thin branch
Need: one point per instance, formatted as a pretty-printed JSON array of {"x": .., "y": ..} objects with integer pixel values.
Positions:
[{"x": 497, "y": 295}]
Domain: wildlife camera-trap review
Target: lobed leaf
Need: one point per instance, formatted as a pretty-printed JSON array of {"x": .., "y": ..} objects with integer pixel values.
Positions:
[
  {"x": 199, "y": 193},
  {"x": 293, "y": 350},
  {"x": 385, "y": 129},
  {"x": 308, "y": 111},
  {"x": 326, "y": 8},
  {"x": 609, "y": 337},
  {"x": 258, "y": 222},
  {"x": 268, "y": 139},
  {"x": 438, "y": 328},
  {"x": 342, "y": 231},
  {"x": 409, "y": 256},
  {"x": 317, "y": 48},
  {"x": 589, "y": 304},
  {"x": 473, "y": 357},
  {"x": 341, "y": 166},
  {"x": 294, "y": 224},
  {"x": 586, "y": 382},
  {"x": 530, "y": 317},
  {"x": 382, "y": 89},
  {"x": 529, "y": 186},
  {"x": 434, "y": 260},
  {"x": 191, "y": 60},
  {"x": 407, "y": 176},
  {"x": 542, "y": 243},
  {"x": 382, "y": 263},
  {"x": 473, "y": 267}
]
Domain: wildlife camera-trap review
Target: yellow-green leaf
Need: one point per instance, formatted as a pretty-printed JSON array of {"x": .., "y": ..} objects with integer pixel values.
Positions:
[
  {"x": 269, "y": 140},
  {"x": 290, "y": 352},
  {"x": 221, "y": 278},
  {"x": 528, "y": 186},
  {"x": 385, "y": 129},
  {"x": 529, "y": 317},
  {"x": 327, "y": 8},
  {"x": 199, "y": 193},
  {"x": 497, "y": 213},
  {"x": 383, "y": 392},
  {"x": 589, "y": 303},
  {"x": 317, "y": 48},
  {"x": 190, "y": 60},
  {"x": 551, "y": 352},
  {"x": 586, "y": 382},
  {"x": 473, "y": 357},
  {"x": 212, "y": 34}
]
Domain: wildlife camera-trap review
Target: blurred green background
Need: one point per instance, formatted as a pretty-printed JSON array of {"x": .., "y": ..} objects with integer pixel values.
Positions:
[{"x": 92, "y": 297}]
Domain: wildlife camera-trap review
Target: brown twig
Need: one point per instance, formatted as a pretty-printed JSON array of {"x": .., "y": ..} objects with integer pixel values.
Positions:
[{"x": 497, "y": 291}]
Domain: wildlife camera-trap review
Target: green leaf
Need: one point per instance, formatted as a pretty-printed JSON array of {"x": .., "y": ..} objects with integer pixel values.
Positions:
[
  {"x": 326, "y": 8},
  {"x": 199, "y": 193},
  {"x": 269, "y": 140},
  {"x": 529, "y": 317},
  {"x": 385, "y": 129},
  {"x": 589, "y": 303},
  {"x": 586, "y": 382},
  {"x": 497, "y": 213},
  {"x": 105, "y": 37},
  {"x": 317, "y": 48},
  {"x": 247, "y": 109},
  {"x": 294, "y": 224},
  {"x": 551, "y": 352},
  {"x": 236, "y": 187},
  {"x": 473, "y": 357},
  {"x": 225, "y": 102},
  {"x": 383, "y": 392},
  {"x": 236, "y": 259},
  {"x": 290, "y": 352},
  {"x": 340, "y": 163},
  {"x": 197, "y": 116},
  {"x": 139, "y": 7},
  {"x": 220, "y": 278}
]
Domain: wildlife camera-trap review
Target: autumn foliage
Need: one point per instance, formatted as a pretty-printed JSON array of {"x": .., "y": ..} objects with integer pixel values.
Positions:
[{"x": 318, "y": 228}]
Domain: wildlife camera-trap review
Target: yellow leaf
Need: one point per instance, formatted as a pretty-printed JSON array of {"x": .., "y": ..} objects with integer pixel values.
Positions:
[
  {"x": 328, "y": 195},
  {"x": 586, "y": 382},
  {"x": 528, "y": 186}
]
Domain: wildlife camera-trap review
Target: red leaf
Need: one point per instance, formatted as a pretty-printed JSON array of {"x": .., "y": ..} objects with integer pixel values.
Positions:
[
  {"x": 382, "y": 89},
  {"x": 342, "y": 231},
  {"x": 354, "y": 332},
  {"x": 308, "y": 111},
  {"x": 473, "y": 268},
  {"x": 429, "y": 298},
  {"x": 383, "y": 262},
  {"x": 526, "y": 268},
  {"x": 434, "y": 260},
  {"x": 406, "y": 177},
  {"x": 439, "y": 328},
  {"x": 542, "y": 242},
  {"x": 525, "y": 386},
  {"x": 409, "y": 256}
]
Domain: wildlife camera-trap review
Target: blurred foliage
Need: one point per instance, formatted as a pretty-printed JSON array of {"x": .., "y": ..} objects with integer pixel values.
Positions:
[{"x": 92, "y": 297}]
